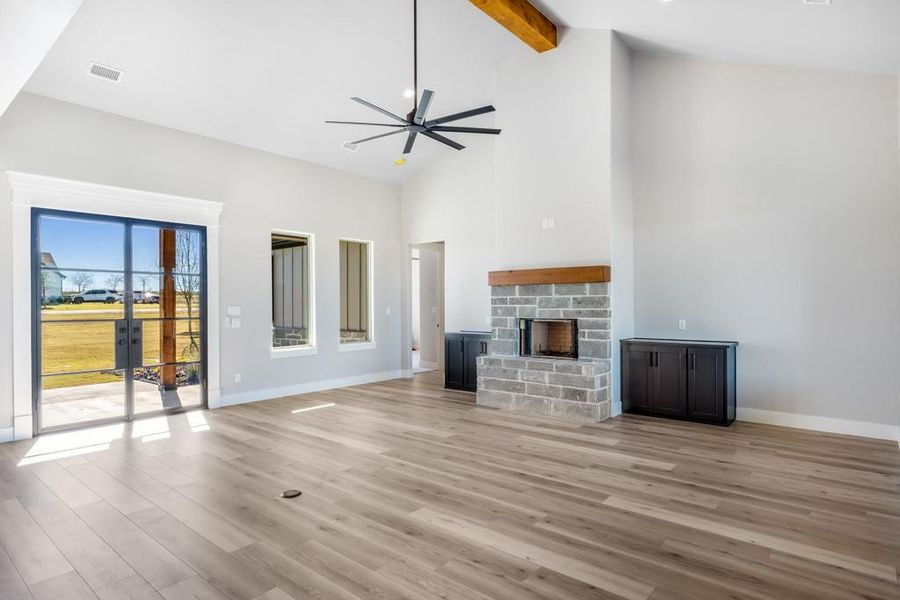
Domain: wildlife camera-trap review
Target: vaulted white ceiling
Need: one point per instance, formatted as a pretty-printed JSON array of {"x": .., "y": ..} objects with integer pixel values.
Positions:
[{"x": 267, "y": 73}]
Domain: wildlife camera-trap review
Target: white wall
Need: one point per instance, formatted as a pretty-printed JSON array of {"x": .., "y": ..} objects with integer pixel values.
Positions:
[
  {"x": 552, "y": 160},
  {"x": 553, "y": 157},
  {"x": 261, "y": 192},
  {"x": 766, "y": 209},
  {"x": 451, "y": 200},
  {"x": 621, "y": 208}
]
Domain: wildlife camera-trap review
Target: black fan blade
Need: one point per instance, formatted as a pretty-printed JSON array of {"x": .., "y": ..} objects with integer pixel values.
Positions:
[
  {"x": 409, "y": 142},
  {"x": 379, "y": 109},
  {"x": 375, "y": 137},
  {"x": 363, "y": 123},
  {"x": 450, "y": 128},
  {"x": 463, "y": 115},
  {"x": 443, "y": 140},
  {"x": 424, "y": 104}
]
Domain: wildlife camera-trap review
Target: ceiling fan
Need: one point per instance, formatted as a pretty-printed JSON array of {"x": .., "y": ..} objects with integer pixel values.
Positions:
[{"x": 416, "y": 120}]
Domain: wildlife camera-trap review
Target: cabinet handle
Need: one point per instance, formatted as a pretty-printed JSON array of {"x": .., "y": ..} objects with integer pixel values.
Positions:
[
  {"x": 693, "y": 361},
  {"x": 651, "y": 359}
]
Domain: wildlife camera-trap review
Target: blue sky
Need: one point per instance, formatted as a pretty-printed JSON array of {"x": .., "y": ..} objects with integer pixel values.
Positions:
[{"x": 78, "y": 244}]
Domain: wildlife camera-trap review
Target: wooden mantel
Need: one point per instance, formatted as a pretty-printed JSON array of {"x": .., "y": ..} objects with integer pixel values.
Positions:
[{"x": 589, "y": 274}]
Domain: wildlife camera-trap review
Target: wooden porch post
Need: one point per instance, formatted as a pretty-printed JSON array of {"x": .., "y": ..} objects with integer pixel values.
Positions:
[{"x": 167, "y": 352}]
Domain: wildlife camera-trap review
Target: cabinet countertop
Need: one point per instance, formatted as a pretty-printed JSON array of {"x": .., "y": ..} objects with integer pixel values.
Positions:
[{"x": 679, "y": 342}]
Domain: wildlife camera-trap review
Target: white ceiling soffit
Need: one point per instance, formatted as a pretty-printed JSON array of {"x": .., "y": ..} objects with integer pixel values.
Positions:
[
  {"x": 28, "y": 29},
  {"x": 267, "y": 74},
  {"x": 852, "y": 35}
]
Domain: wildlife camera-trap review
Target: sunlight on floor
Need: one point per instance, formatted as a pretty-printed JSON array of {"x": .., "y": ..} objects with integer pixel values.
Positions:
[
  {"x": 300, "y": 410},
  {"x": 52, "y": 446}
]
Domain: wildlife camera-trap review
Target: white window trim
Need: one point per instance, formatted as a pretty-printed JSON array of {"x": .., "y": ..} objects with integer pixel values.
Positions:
[
  {"x": 292, "y": 351},
  {"x": 356, "y": 346},
  {"x": 370, "y": 275},
  {"x": 37, "y": 191},
  {"x": 311, "y": 348}
]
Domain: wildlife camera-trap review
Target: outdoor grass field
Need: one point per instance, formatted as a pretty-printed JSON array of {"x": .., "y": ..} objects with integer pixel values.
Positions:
[{"x": 67, "y": 346}]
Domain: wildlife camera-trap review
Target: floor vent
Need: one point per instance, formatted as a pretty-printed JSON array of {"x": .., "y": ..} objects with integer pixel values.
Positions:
[{"x": 108, "y": 73}]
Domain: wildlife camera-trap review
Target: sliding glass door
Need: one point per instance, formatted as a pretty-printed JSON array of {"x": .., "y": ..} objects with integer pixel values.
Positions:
[{"x": 119, "y": 318}]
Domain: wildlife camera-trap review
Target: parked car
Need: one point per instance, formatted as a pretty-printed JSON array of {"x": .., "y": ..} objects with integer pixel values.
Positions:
[
  {"x": 146, "y": 297},
  {"x": 107, "y": 296}
]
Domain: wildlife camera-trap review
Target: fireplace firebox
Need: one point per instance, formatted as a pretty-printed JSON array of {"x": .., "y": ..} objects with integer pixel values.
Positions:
[{"x": 551, "y": 338}]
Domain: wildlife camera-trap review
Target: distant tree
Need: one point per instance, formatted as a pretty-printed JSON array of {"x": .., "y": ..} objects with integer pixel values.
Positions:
[
  {"x": 81, "y": 280},
  {"x": 145, "y": 279},
  {"x": 114, "y": 280},
  {"x": 187, "y": 281}
]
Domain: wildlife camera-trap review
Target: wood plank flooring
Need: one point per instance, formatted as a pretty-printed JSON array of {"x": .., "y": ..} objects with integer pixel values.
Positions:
[{"x": 409, "y": 491}]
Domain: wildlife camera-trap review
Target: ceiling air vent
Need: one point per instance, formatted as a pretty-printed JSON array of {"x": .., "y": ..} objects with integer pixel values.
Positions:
[{"x": 108, "y": 73}]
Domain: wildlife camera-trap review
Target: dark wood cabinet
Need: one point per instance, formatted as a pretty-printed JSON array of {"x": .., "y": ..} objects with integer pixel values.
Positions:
[
  {"x": 680, "y": 379},
  {"x": 461, "y": 351}
]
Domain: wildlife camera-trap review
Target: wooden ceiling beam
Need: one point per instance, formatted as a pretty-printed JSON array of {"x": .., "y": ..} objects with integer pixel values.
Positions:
[{"x": 522, "y": 19}]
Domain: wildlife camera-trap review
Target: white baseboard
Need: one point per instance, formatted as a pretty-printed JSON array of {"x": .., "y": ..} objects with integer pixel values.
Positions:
[
  {"x": 7, "y": 434},
  {"x": 304, "y": 388},
  {"x": 827, "y": 424}
]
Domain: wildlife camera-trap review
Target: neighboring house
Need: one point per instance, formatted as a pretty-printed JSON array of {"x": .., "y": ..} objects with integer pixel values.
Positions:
[{"x": 51, "y": 281}]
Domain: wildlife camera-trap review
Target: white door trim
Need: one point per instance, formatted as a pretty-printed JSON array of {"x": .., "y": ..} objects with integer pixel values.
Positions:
[{"x": 38, "y": 191}]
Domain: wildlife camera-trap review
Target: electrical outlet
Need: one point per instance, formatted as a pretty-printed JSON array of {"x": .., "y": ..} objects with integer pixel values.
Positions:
[
  {"x": 550, "y": 222},
  {"x": 234, "y": 311},
  {"x": 237, "y": 377},
  {"x": 235, "y": 323},
  {"x": 388, "y": 310},
  {"x": 682, "y": 324}
]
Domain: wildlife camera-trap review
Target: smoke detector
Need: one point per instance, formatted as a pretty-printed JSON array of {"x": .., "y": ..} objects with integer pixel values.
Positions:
[{"x": 104, "y": 72}]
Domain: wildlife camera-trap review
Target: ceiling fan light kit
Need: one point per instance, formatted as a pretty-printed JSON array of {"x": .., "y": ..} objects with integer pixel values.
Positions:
[{"x": 416, "y": 122}]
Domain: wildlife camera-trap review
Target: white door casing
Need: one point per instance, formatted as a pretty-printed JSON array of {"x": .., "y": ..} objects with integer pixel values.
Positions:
[{"x": 38, "y": 191}]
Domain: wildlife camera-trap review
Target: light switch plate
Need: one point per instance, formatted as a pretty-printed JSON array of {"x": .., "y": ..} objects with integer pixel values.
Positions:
[
  {"x": 234, "y": 311},
  {"x": 235, "y": 323},
  {"x": 682, "y": 324}
]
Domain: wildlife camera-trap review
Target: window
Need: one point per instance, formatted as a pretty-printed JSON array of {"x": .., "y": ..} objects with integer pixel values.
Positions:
[
  {"x": 356, "y": 290},
  {"x": 292, "y": 323}
]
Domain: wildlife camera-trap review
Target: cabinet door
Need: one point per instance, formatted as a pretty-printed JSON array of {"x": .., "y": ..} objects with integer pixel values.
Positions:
[
  {"x": 669, "y": 388},
  {"x": 706, "y": 384},
  {"x": 454, "y": 362},
  {"x": 473, "y": 348},
  {"x": 637, "y": 364}
]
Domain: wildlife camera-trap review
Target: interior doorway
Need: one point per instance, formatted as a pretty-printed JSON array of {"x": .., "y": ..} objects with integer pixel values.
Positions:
[
  {"x": 119, "y": 318},
  {"x": 427, "y": 306}
]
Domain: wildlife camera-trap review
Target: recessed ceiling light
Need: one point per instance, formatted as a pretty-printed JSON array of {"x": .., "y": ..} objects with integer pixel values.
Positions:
[
  {"x": 813, "y": 2},
  {"x": 408, "y": 93},
  {"x": 350, "y": 146}
]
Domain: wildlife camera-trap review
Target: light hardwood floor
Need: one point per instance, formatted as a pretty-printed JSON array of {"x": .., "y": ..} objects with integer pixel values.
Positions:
[{"x": 409, "y": 491}]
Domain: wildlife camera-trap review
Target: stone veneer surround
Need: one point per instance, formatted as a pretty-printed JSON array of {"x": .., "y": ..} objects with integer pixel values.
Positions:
[{"x": 573, "y": 389}]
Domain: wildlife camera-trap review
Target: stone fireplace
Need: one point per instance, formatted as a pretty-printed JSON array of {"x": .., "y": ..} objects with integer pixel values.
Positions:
[{"x": 550, "y": 348}]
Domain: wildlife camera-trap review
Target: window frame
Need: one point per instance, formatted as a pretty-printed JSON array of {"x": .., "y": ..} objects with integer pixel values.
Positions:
[
  {"x": 371, "y": 343},
  {"x": 311, "y": 347}
]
